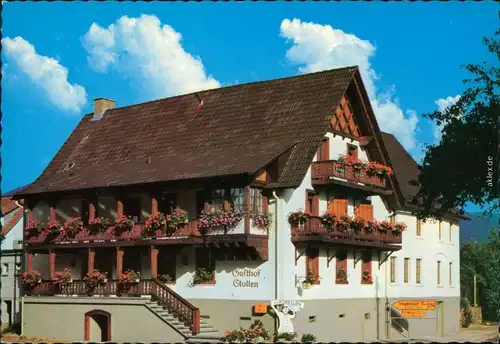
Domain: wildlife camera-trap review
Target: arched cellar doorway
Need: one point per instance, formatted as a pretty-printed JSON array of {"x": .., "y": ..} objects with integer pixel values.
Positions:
[{"x": 97, "y": 326}]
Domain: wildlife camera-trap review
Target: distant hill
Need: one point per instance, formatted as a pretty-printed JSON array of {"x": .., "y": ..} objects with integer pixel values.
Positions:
[{"x": 478, "y": 227}]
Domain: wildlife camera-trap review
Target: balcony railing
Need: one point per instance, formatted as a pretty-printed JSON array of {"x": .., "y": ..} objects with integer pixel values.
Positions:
[
  {"x": 325, "y": 170},
  {"x": 314, "y": 227},
  {"x": 189, "y": 229},
  {"x": 166, "y": 297}
]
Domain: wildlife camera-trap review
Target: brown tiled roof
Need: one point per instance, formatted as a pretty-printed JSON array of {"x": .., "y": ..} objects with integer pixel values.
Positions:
[
  {"x": 8, "y": 205},
  {"x": 406, "y": 169},
  {"x": 238, "y": 130},
  {"x": 16, "y": 217}
]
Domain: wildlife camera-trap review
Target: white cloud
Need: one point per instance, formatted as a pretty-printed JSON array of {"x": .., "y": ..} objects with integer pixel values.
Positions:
[
  {"x": 443, "y": 104},
  {"x": 47, "y": 73},
  {"x": 319, "y": 47},
  {"x": 148, "y": 51}
]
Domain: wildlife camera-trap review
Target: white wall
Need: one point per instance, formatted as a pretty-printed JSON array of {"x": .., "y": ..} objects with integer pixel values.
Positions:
[{"x": 15, "y": 234}]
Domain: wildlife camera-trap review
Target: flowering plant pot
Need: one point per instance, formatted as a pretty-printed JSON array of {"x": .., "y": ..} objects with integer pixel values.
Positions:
[
  {"x": 31, "y": 279},
  {"x": 356, "y": 223},
  {"x": 177, "y": 219},
  {"x": 298, "y": 218},
  {"x": 341, "y": 277},
  {"x": 72, "y": 226},
  {"x": 262, "y": 220},
  {"x": 399, "y": 227},
  {"x": 384, "y": 226},
  {"x": 53, "y": 228},
  {"x": 222, "y": 220},
  {"x": 366, "y": 277},
  {"x": 98, "y": 225},
  {"x": 154, "y": 223},
  {"x": 328, "y": 221},
  {"x": 165, "y": 278},
  {"x": 63, "y": 277},
  {"x": 34, "y": 228},
  {"x": 306, "y": 285},
  {"x": 95, "y": 279},
  {"x": 129, "y": 277},
  {"x": 123, "y": 224}
]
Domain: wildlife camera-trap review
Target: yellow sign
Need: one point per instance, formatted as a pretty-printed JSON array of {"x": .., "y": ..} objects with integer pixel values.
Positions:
[
  {"x": 260, "y": 308},
  {"x": 424, "y": 305},
  {"x": 412, "y": 314}
]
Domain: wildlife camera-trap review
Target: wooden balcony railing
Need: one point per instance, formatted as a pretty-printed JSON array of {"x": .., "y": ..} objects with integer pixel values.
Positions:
[
  {"x": 166, "y": 297},
  {"x": 189, "y": 229},
  {"x": 324, "y": 170},
  {"x": 314, "y": 226}
]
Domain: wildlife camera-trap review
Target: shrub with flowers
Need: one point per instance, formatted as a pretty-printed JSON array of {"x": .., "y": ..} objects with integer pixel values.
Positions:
[
  {"x": 202, "y": 275},
  {"x": 372, "y": 226},
  {"x": 288, "y": 336},
  {"x": 31, "y": 279},
  {"x": 53, "y": 228},
  {"x": 366, "y": 277},
  {"x": 399, "y": 227},
  {"x": 123, "y": 224},
  {"x": 129, "y": 277},
  {"x": 94, "y": 279},
  {"x": 34, "y": 228},
  {"x": 328, "y": 220},
  {"x": 255, "y": 334},
  {"x": 262, "y": 220},
  {"x": 165, "y": 278},
  {"x": 219, "y": 219},
  {"x": 154, "y": 223},
  {"x": 349, "y": 161},
  {"x": 72, "y": 226},
  {"x": 98, "y": 225},
  {"x": 384, "y": 226},
  {"x": 297, "y": 218},
  {"x": 62, "y": 277}
]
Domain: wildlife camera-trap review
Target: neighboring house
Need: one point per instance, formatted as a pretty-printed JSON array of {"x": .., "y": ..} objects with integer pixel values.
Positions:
[
  {"x": 262, "y": 149},
  {"x": 11, "y": 257}
]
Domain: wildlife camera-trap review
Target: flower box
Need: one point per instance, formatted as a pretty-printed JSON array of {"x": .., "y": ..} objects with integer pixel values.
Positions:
[{"x": 218, "y": 221}]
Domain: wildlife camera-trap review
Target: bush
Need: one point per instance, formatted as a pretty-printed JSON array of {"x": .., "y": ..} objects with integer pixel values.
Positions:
[
  {"x": 308, "y": 338},
  {"x": 467, "y": 317},
  {"x": 288, "y": 336}
]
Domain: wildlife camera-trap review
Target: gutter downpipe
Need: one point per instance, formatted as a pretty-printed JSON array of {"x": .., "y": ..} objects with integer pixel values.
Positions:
[
  {"x": 387, "y": 309},
  {"x": 276, "y": 207},
  {"x": 21, "y": 289}
]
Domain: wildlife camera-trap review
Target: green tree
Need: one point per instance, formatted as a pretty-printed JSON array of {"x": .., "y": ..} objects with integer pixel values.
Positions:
[
  {"x": 460, "y": 168},
  {"x": 482, "y": 260}
]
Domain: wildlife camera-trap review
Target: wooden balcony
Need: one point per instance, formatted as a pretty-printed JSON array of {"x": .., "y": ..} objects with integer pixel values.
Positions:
[
  {"x": 325, "y": 172},
  {"x": 314, "y": 231},
  {"x": 166, "y": 297}
]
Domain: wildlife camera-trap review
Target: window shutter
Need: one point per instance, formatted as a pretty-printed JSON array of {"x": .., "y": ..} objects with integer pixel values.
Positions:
[
  {"x": 325, "y": 149},
  {"x": 338, "y": 207},
  {"x": 364, "y": 211}
]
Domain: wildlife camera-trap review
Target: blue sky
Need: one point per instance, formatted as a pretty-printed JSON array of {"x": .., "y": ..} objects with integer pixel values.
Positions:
[{"x": 55, "y": 64}]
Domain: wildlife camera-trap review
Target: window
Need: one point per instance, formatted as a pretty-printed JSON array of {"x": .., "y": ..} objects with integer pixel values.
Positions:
[
  {"x": 324, "y": 150},
  {"x": 312, "y": 263},
  {"x": 167, "y": 203},
  {"x": 256, "y": 200},
  {"x": 450, "y": 274},
  {"x": 167, "y": 263},
  {"x": 132, "y": 208},
  {"x": 352, "y": 151},
  {"x": 419, "y": 227},
  {"x": 5, "y": 269},
  {"x": 341, "y": 268},
  {"x": 205, "y": 260},
  {"x": 449, "y": 232},
  {"x": 438, "y": 271},
  {"x": 312, "y": 203},
  {"x": 393, "y": 269},
  {"x": 406, "y": 268},
  {"x": 233, "y": 197},
  {"x": 440, "y": 230},
  {"x": 417, "y": 270}
]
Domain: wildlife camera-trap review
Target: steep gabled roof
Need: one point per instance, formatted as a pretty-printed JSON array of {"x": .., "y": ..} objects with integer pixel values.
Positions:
[
  {"x": 8, "y": 205},
  {"x": 16, "y": 217},
  {"x": 238, "y": 130}
]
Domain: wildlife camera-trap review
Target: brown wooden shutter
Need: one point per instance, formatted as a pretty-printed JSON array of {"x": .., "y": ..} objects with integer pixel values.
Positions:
[
  {"x": 364, "y": 211},
  {"x": 338, "y": 207},
  {"x": 324, "y": 150},
  {"x": 312, "y": 263}
]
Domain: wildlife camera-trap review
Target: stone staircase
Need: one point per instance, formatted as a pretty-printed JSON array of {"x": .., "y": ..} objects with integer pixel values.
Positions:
[{"x": 207, "y": 332}]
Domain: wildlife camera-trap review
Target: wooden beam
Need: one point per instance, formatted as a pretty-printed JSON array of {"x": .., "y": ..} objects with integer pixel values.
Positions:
[
  {"x": 52, "y": 264},
  {"x": 119, "y": 261},
  {"x": 154, "y": 261},
  {"x": 29, "y": 262},
  {"x": 91, "y": 260},
  {"x": 380, "y": 262},
  {"x": 328, "y": 257},
  {"x": 298, "y": 255},
  {"x": 246, "y": 207}
]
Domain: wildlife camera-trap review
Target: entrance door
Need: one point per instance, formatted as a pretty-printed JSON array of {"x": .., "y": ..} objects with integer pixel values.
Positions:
[{"x": 97, "y": 326}]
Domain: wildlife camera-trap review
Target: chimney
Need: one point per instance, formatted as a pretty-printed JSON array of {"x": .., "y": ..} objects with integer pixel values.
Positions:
[{"x": 101, "y": 105}]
